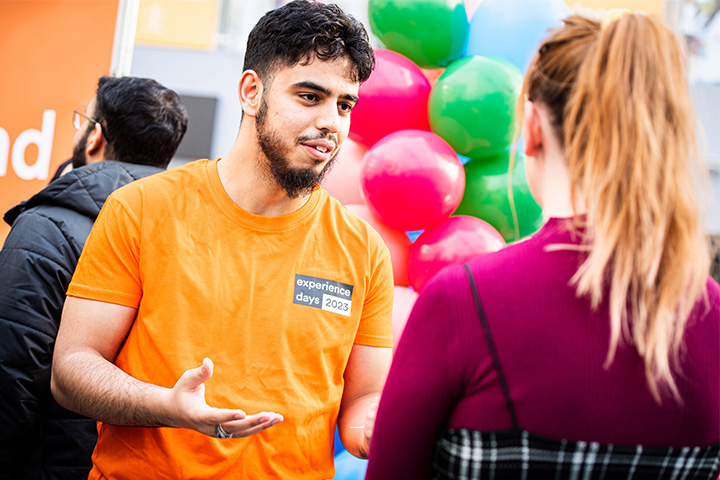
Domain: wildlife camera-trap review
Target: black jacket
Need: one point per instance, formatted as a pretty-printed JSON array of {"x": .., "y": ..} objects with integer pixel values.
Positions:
[{"x": 38, "y": 438}]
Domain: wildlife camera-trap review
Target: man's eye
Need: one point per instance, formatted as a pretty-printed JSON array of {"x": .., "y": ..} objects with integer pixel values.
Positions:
[
  {"x": 310, "y": 97},
  {"x": 346, "y": 107}
]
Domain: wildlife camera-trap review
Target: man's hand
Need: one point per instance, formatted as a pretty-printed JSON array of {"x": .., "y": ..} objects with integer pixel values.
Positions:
[
  {"x": 368, "y": 430},
  {"x": 193, "y": 412}
]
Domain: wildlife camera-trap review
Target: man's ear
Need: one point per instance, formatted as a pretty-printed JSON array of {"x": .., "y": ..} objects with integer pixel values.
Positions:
[
  {"x": 532, "y": 130},
  {"x": 95, "y": 143},
  {"x": 250, "y": 90}
]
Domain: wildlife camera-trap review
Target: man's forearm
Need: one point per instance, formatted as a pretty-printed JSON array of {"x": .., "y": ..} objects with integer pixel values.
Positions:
[
  {"x": 87, "y": 383},
  {"x": 84, "y": 381}
]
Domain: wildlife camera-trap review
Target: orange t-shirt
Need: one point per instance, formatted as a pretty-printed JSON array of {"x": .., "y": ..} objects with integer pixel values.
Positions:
[{"x": 275, "y": 302}]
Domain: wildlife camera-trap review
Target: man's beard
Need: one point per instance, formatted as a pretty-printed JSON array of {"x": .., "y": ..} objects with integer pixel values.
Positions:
[
  {"x": 78, "y": 157},
  {"x": 296, "y": 182}
]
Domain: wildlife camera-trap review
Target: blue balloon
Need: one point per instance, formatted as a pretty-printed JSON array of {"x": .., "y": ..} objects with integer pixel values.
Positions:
[
  {"x": 463, "y": 159},
  {"x": 513, "y": 29},
  {"x": 349, "y": 467},
  {"x": 413, "y": 235}
]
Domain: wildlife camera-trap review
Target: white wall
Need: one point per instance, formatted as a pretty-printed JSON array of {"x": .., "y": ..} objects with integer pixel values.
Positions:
[{"x": 210, "y": 74}]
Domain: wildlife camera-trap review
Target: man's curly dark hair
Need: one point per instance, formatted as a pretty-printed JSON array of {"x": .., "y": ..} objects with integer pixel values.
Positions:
[{"x": 301, "y": 30}]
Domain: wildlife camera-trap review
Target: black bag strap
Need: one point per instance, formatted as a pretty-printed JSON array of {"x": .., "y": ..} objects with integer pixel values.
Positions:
[{"x": 493, "y": 351}]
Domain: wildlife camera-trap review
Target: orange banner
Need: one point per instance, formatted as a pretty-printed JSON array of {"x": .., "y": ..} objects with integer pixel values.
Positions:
[
  {"x": 52, "y": 53},
  {"x": 652, "y": 7},
  {"x": 178, "y": 23}
]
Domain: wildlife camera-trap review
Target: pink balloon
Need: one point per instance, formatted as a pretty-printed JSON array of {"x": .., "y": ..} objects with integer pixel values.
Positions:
[
  {"x": 395, "y": 97},
  {"x": 343, "y": 181},
  {"x": 456, "y": 240},
  {"x": 397, "y": 242},
  {"x": 412, "y": 179},
  {"x": 403, "y": 302}
]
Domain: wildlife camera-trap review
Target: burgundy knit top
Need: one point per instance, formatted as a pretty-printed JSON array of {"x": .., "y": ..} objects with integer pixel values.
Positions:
[{"x": 552, "y": 347}]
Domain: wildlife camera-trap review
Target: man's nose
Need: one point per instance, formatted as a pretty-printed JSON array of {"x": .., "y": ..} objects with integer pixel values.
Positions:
[{"x": 328, "y": 118}]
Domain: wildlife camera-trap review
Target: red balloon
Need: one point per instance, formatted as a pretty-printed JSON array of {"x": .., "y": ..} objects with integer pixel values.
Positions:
[
  {"x": 343, "y": 181},
  {"x": 403, "y": 302},
  {"x": 412, "y": 179},
  {"x": 395, "y": 97},
  {"x": 397, "y": 242},
  {"x": 456, "y": 240}
]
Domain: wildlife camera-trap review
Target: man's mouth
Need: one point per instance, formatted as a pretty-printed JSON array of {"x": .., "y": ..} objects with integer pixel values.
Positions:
[
  {"x": 322, "y": 144},
  {"x": 322, "y": 148}
]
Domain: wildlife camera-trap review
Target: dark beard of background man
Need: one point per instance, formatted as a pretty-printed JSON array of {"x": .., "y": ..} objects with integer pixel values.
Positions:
[
  {"x": 295, "y": 181},
  {"x": 78, "y": 155}
]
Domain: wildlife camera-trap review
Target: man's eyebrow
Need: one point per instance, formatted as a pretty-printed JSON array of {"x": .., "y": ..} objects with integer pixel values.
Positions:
[{"x": 319, "y": 88}]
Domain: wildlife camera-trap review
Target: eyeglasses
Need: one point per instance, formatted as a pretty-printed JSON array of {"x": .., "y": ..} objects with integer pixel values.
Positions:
[
  {"x": 80, "y": 112},
  {"x": 77, "y": 121}
]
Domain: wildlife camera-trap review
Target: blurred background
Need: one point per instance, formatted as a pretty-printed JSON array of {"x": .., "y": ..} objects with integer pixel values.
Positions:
[
  {"x": 54, "y": 50},
  {"x": 196, "y": 47},
  {"x": 427, "y": 159}
]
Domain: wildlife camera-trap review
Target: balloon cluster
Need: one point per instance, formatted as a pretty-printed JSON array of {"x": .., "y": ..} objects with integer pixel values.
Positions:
[{"x": 431, "y": 138}]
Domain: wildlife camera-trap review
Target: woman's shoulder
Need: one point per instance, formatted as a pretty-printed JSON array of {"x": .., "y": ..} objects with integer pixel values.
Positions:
[{"x": 525, "y": 254}]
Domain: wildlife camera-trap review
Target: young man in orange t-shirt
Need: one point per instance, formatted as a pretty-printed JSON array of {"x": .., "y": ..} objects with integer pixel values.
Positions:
[{"x": 246, "y": 261}]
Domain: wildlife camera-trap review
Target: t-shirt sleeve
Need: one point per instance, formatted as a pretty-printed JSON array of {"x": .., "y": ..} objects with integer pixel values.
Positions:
[
  {"x": 108, "y": 269},
  {"x": 375, "y": 328}
]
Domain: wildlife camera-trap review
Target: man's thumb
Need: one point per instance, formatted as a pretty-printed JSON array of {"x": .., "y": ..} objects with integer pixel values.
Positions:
[
  {"x": 197, "y": 376},
  {"x": 206, "y": 370}
]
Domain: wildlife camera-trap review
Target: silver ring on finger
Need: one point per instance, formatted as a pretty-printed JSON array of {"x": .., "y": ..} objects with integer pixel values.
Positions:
[{"x": 221, "y": 433}]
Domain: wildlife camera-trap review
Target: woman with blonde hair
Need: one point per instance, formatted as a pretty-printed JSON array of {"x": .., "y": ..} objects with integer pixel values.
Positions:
[{"x": 592, "y": 349}]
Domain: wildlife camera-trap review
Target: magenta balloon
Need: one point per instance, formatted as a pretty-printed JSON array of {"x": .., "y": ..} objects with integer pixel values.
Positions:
[
  {"x": 412, "y": 179},
  {"x": 456, "y": 240},
  {"x": 395, "y": 97}
]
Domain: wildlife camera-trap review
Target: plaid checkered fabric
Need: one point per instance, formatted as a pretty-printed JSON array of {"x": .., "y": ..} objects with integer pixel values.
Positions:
[{"x": 469, "y": 454}]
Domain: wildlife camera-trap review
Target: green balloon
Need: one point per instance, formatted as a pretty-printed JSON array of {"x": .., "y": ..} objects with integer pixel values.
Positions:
[
  {"x": 472, "y": 106},
  {"x": 431, "y": 33},
  {"x": 486, "y": 195}
]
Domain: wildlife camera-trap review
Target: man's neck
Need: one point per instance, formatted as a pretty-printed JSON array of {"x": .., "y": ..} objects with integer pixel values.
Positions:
[{"x": 250, "y": 187}]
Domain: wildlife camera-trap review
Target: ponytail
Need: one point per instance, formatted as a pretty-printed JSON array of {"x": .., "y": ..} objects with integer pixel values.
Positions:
[{"x": 623, "y": 112}]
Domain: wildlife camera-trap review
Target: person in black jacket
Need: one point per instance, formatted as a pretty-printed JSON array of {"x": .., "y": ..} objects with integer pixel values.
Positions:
[{"x": 135, "y": 126}]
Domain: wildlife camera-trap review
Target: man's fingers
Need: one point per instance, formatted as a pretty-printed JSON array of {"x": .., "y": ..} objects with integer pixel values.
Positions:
[
  {"x": 370, "y": 418},
  {"x": 370, "y": 424},
  {"x": 252, "y": 424},
  {"x": 254, "y": 430},
  {"x": 225, "y": 416},
  {"x": 372, "y": 412}
]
